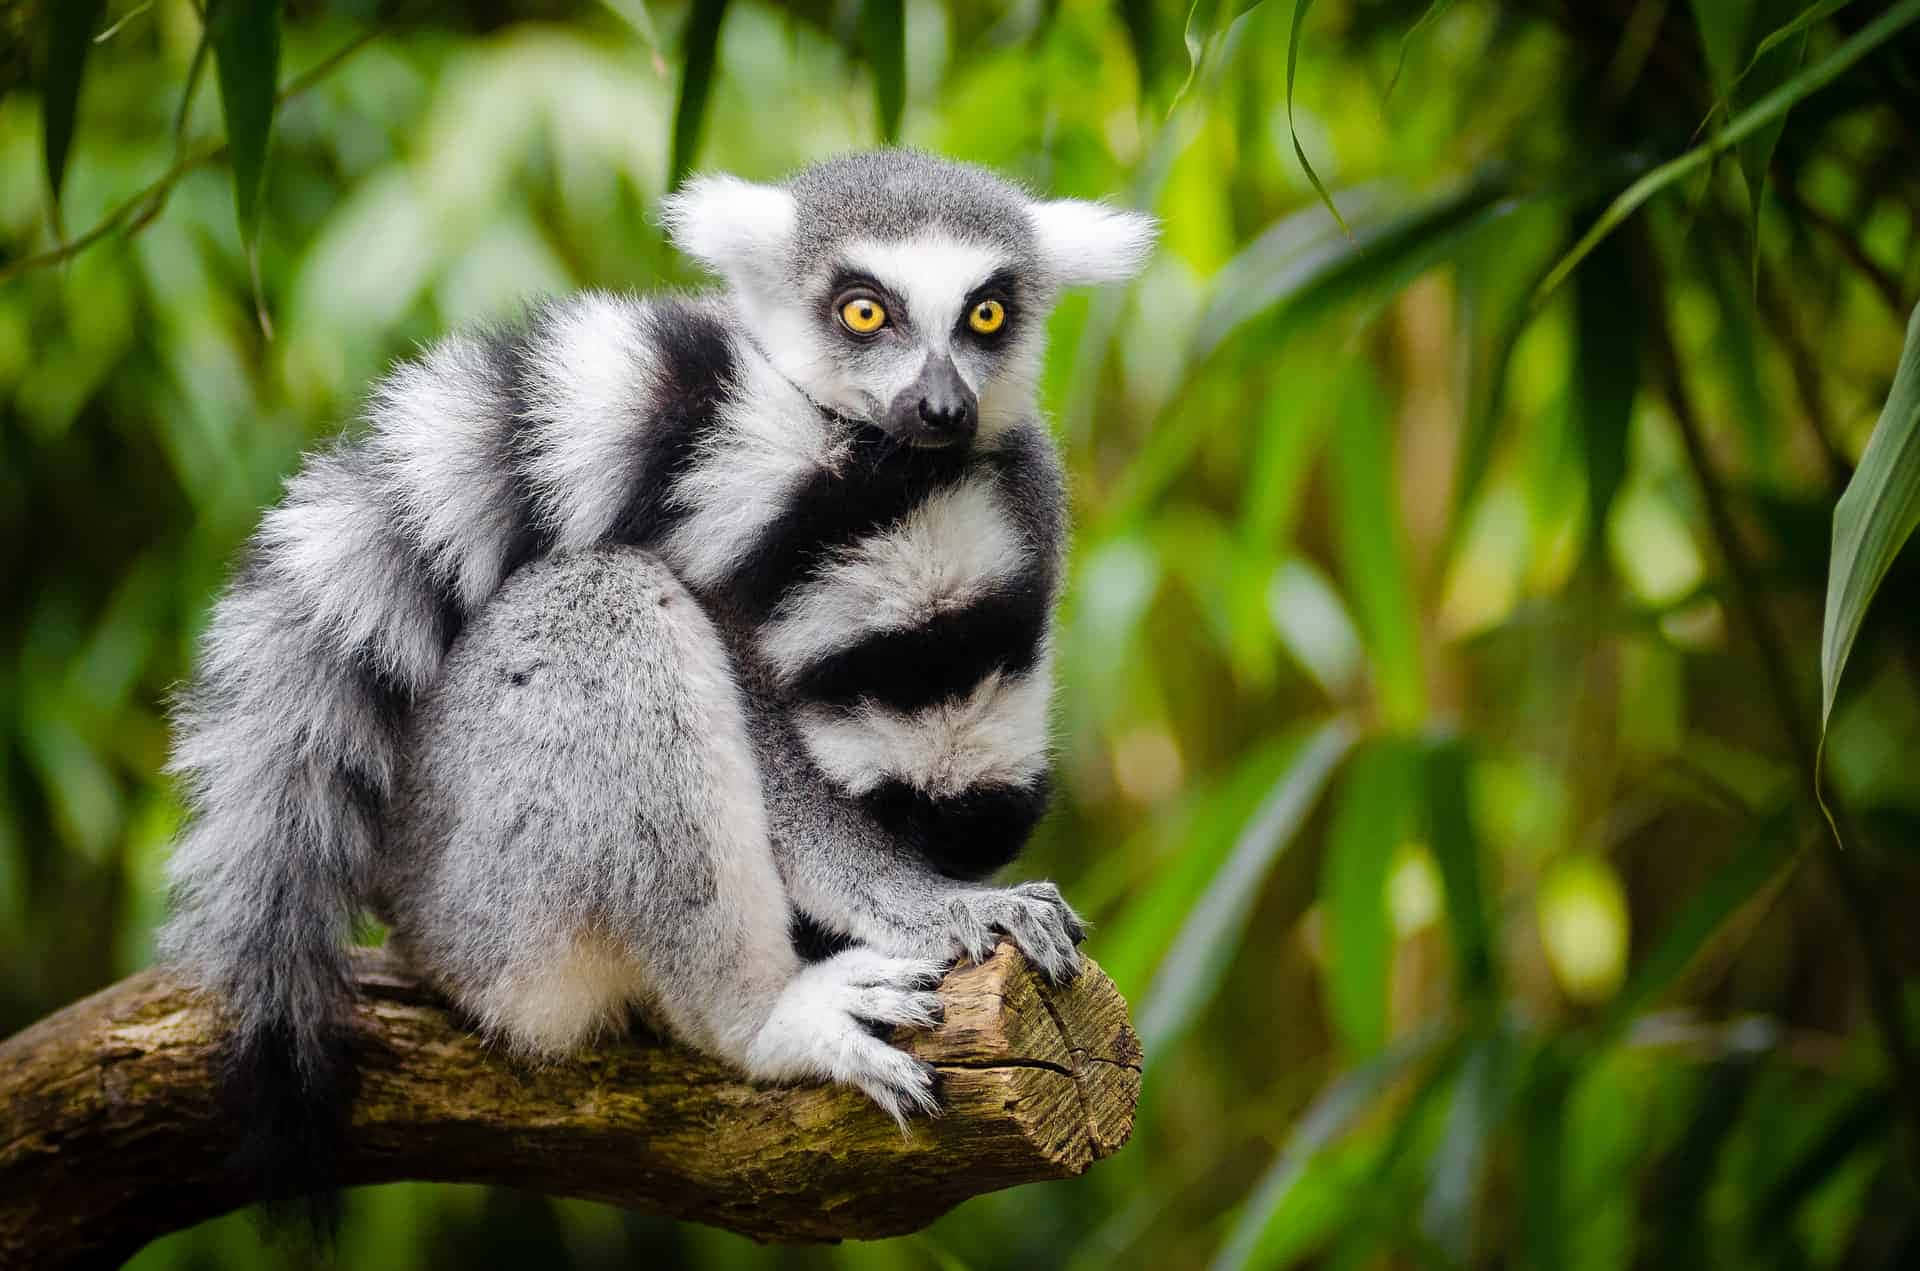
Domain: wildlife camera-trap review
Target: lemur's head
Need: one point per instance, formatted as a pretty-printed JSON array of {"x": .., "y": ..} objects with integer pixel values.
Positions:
[{"x": 904, "y": 290}]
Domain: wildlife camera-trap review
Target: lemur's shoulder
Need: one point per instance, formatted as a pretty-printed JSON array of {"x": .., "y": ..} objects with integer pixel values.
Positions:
[{"x": 564, "y": 428}]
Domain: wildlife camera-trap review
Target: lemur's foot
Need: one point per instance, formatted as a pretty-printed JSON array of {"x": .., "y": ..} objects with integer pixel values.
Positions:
[
  {"x": 823, "y": 1027},
  {"x": 1035, "y": 916}
]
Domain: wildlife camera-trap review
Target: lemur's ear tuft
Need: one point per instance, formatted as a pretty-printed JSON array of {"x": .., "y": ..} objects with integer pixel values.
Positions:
[
  {"x": 1085, "y": 243},
  {"x": 731, "y": 226}
]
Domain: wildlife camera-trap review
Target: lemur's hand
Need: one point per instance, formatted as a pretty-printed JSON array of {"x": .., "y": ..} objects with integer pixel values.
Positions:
[{"x": 1035, "y": 916}]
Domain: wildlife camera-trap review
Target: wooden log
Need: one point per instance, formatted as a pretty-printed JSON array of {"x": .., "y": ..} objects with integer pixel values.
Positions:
[{"x": 110, "y": 1137}]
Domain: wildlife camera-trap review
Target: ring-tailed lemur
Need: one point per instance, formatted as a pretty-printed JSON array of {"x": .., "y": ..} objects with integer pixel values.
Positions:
[{"x": 627, "y": 646}]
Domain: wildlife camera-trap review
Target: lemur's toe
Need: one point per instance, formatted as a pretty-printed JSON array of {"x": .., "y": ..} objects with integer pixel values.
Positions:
[
  {"x": 900, "y": 1084},
  {"x": 893, "y": 1006}
]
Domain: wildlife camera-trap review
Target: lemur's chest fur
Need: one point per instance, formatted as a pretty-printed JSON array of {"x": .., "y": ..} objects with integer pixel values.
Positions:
[{"x": 898, "y": 598}]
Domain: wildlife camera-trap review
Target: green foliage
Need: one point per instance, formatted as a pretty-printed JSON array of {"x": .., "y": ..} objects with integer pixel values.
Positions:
[
  {"x": 700, "y": 49},
  {"x": 69, "y": 37},
  {"x": 1434, "y": 790},
  {"x": 1753, "y": 122},
  {"x": 245, "y": 38},
  {"x": 885, "y": 28},
  {"x": 1873, "y": 519},
  {"x": 1370, "y": 821},
  {"x": 1300, "y": 8}
]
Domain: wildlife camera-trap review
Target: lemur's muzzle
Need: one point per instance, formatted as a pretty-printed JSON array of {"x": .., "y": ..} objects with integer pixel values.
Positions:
[{"x": 937, "y": 409}]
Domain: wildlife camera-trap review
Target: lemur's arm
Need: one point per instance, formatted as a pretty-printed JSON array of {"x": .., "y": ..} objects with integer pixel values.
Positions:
[
  {"x": 894, "y": 901},
  {"x": 922, "y": 661}
]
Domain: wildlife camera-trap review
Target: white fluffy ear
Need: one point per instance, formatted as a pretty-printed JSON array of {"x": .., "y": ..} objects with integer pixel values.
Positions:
[
  {"x": 733, "y": 227},
  {"x": 1086, "y": 243}
]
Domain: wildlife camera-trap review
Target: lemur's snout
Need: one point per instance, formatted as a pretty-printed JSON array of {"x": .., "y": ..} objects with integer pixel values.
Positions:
[{"x": 937, "y": 409}]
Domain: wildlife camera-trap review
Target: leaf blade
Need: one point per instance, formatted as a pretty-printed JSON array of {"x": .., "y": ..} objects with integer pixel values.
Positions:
[
  {"x": 1373, "y": 559},
  {"x": 1608, "y": 327},
  {"x": 1192, "y": 966},
  {"x": 69, "y": 39},
  {"x": 1738, "y": 881},
  {"x": 245, "y": 37},
  {"x": 1370, "y": 821},
  {"x": 1300, "y": 8},
  {"x": 1456, "y": 850},
  {"x": 700, "y": 49},
  {"x": 1426, "y": 19},
  {"x": 883, "y": 25},
  {"x": 1292, "y": 273},
  {"x": 1807, "y": 19},
  {"x": 1745, "y": 124},
  {"x": 1479, "y": 1100},
  {"x": 1343, "y": 1102},
  {"x": 1874, "y": 518}
]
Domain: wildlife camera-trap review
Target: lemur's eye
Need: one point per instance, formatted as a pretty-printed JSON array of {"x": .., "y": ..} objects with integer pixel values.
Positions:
[
  {"x": 987, "y": 317},
  {"x": 863, "y": 315}
]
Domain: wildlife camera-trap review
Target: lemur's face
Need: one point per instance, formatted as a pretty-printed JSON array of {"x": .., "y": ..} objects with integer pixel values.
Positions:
[{"x": 901, "y": 290}]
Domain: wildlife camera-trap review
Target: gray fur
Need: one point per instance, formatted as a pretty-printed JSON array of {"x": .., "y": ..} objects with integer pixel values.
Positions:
[
  {"x": 489, "y": 674},
  {"x": 896, "y": 195}
]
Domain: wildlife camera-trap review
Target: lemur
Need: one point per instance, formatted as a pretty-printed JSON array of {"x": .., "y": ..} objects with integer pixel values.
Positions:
[{"x": 687, "y": 654}]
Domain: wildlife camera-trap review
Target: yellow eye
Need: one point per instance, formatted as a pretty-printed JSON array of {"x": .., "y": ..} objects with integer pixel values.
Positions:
[
  {"x": 863, "y": 315},
  {"x": 987, "y": 317}
]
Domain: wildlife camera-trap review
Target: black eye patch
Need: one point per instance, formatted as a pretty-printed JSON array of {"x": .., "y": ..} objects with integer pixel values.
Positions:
[
  {"x": 847, "y": 281},
  {"x": 1002, "y": 286}
]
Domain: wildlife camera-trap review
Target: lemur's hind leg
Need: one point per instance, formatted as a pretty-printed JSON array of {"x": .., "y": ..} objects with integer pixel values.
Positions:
[{"x": 581, "y": 829}]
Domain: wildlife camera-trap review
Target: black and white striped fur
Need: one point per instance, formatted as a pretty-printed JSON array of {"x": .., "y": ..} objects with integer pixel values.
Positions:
[{"x": 628, "y": 646}]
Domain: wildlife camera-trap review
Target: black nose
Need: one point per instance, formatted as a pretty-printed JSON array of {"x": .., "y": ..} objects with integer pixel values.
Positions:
[
  {"x": 948, "y": 414},
  {"x": 937, "y": 409}
]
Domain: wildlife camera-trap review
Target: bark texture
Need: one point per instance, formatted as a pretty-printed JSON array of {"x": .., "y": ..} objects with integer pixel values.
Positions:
[{"x": 109, "y": 1135}]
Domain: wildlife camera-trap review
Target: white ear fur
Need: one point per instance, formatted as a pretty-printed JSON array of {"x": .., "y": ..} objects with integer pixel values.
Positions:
[
  {"x": 733, "y": 227},
  {"x": 1085, "y": 243}
]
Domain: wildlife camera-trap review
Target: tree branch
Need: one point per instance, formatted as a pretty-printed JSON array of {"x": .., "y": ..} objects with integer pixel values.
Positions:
[{"x": 110, "y": 1135}]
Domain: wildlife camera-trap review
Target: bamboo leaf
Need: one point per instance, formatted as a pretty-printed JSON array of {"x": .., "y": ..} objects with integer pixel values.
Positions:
[
  {"x": 1768, "y": 71},
  {"x": 1299, "y": 269},
  {"x": 1543, "y": 1159},
  {"x": 1205, "y": 20},
  {"x": 1806, "y": 21},
  {"x": 1332, "y": 1113},
  {"x": 1143, "y": 37},
  {"x": 700, "y": 49},
  {"x": 69, "y": 38},
  {"x": 1426, "y": 19},
  {"x": 1496, "y": 286},
  {"x": 1456, "y": 850},
  {"x": 1722, "y": 25},
  {"x": 1874, "y": 518},
  {"x": 1373, "y": 561},
  {"x": 1370, "y": 821},
  {"x": 1679, "y": 1230},
  {"x": 884, "y": 26},
  {"x": 1191, "y": 971},
  {"x": 1314, "y": 626},
  {"x": 245, "y": 36},
  {"x": 1607, "y": 330},
  {"x": 1864, "y": 1121},
  {"x": 1705, "y": 913},
  {"x": 1479, "y": 1103},
  {"x": 1745, "y": 124},
  {"x": 1207, "y": 823},
  {"x": 1300, "y": 8},
  {"x": 636, "y": 15}
]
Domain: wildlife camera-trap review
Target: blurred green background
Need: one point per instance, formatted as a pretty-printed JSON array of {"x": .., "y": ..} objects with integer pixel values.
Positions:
[{"x": 1441, "y": 667}]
